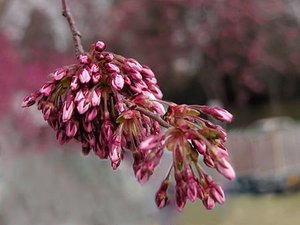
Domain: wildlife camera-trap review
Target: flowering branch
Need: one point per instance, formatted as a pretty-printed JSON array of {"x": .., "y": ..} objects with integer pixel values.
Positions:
[
  {"x": 112, "y": 104},
  {"x": 75, "y": 32},
  {"x": 148, "y": 113}
]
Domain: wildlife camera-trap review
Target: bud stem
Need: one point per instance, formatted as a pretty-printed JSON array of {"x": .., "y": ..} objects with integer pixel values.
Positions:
[{"x": 75, "y": 32}]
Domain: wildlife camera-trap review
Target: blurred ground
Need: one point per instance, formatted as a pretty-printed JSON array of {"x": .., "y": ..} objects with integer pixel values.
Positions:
[{"x": 248, "y": 210}]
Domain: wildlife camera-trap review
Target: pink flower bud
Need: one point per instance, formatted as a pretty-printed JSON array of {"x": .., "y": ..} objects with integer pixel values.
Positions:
[
  {"x": 68, "y": 109},
  {"x": 100, "y": 151},
  {"x": 59, "y": 74},
  {"x": 180, "y": 198},
  {"x": 133, "y": 65},
  {"x": 208, "y": 202},
  {"x": 30, "y": 99},
  {"x": 108, "y": 56},
  {"x": 152, "y": 142},
  {"x": 71, "y": 129},
  {"x": 136, "y": 75},
  {"x": 83, "y": 58},
  {"x": 100, "y": 46},
  {"x": 161, "y": 198},
  {"x": 217, "y": 194},
  {"x": 91, "y": 115},
  {"x": 117, "y": 81},
  {"x": 87, "y": 127},
  {"x": 94, "y": 68},
  {"x": 142, "y": 174},
  {"x": 74, "y": 83},
  {"x": 95, "y": 97},
  {"x": 79, "y": 96},
  {"x": 83, "y": 106},
  {"x": 219, "y": 113},
  {"x": 112, "y": 68},
  {"x": 192, "y": 190},
  {"x": 84, "y": 76},
  {"x": 47, "y": 110},
  {"x": 200, "y": 146},
  {"x": 96, "y": 77},
  {"x": 147, "y": 72},
  {"x": 156, "y": 91},
  {"x": 47, "y": 89},
  {"x": 61, "y": 137},
  {"x": 115, "y": 150},
  {"x": 91, "y": 139},
  {"x": 226, "y": 169}
]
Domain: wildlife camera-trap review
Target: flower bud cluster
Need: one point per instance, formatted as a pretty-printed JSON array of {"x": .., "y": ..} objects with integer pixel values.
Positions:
[
  {"x": 189, "y": 138},
  {"x": 111, "y": 104},
  {"x": 85, "y": 102}
]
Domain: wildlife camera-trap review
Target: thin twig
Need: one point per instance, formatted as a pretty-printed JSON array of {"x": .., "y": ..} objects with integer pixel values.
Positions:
[
  {"x": 148, "y": 113},
  {"x": 75, "y": 32}
]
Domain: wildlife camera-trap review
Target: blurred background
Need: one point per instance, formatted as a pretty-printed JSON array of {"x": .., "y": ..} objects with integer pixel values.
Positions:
[{"x": 243, "y": 55}]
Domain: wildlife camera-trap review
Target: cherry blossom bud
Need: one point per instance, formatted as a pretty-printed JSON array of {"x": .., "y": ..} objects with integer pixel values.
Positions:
[
  {"x": 133, "y": 66},
  {"x": 30, "y": 99},
  {"x": 136, "y": 75},
  {"x": 74, "y": 83},
  {"x": 94, "y": 68},
  {"x": 79, "y": 96},
  {"x": 91, "y": 139},
  {"x": 192, "y": 190},
  {"x": 68, "y": 109},
  {"x": 148, "y": 73},
  {"x": 84, "y": 76},
  {"x": 91, "y": 115},
  {"x": 59, "y": 74},
  {"x": 180, "y": 198},
  {"x": 96, "y": 97},
  {"x": 227, "y": 171},
  {"x": 112, "y": 68},
  {"x": 47, "y": 89},
  {"x": 83, "y": 58},
  {"x": 96, "y": 77},
  {"x": 161, "y": 198},
  {"x": 87, "y": 127},
  {"x": 208, "y": 202},
  {"x": 156, "y": 91},
  {"x": 61, "y": 137},
  {"x": 200, "y": 146},
  {"x": 117, "y": 81},
  {"x": 71, "y": 129},
  {"x": 108, "y": 56},
  {"x": 217, "y": 194},
  {"x": 47, "y": 110},
  {"x": 152, "y": 142},
  {"x": 100, "y": 46},
  {"x": 219, "y": 113},
  {"x": 115, "y": 150},
  {"x": 83, "y": 106}
]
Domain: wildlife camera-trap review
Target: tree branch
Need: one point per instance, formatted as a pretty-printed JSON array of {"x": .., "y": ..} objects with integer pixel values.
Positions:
[
  {"x": 148, "y": 113},
  {"x": 75, "y": 32}
]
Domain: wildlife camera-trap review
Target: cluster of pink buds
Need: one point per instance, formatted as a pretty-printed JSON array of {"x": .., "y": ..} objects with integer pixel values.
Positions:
[
  {"x": 111, "y": 104},
  {"x": 189, "y": 137}
]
